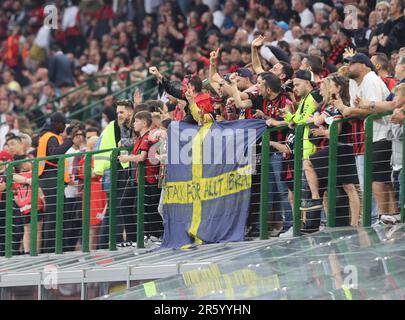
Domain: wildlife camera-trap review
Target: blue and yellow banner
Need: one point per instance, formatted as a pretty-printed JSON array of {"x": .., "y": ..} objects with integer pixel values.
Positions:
[{"x": 209, "y": 179}]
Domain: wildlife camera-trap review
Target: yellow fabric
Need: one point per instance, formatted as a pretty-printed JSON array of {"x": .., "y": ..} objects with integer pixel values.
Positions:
[
  {"x": 37, "y": 53},
  {"x": 107, "y": 141},
  {"x": 195, "y": 112}
]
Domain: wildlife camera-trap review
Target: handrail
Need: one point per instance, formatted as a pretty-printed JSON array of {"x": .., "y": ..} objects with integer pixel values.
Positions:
[
  {"x": 298, "y": 158},
  {"x": 58, "y": 156},
  {"x": 119, "y": 92},
  {"x": 54, "y": 100},
  {"x": 95, "y": 103},
  {"x": 89, "y": 84},
  {"x": 59, "y": 199}
]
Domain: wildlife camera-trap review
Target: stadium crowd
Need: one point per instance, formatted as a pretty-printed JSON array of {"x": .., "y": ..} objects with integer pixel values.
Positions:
[{"x": 286, "y": 62}]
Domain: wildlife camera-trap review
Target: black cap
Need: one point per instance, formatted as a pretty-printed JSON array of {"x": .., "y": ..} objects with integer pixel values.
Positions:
[
  {"x": 244, "y": 73},
  {"x": 303, "y": 75},
  {"x": 348, "y": 33},
  {"x": 59, "y": 117},
  {"x": 360, "y": 58}
]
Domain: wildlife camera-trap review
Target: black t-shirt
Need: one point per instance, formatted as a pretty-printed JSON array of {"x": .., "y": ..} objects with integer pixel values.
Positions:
[
  {"x": 281, "y": 15},
  {"x": 395, "y": 31},
  {"x": 288, "y": 163},
  {"x": 200, "y": 9}
]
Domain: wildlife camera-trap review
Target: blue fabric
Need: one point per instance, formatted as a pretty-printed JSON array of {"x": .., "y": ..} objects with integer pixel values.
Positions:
[{"x": 224, "y": 214}]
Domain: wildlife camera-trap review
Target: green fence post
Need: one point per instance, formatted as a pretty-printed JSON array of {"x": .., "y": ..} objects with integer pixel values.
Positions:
[
  {"x": 140, "y": 205},
  {"x": 332, "y": 169},
  {"x": 34, "y": 209},
  {"x": 60, "y": 204},
  {"x": 90, "y": 83},
  {"x": 298, "y": 154},
  {"x": 128, "y": 84},
  {"x": 109, "y": 85},
  {"x": 113, "y": 200},
  {"x": 86, "y": 203},
  {"x": 264, "y": 186},
  {"x": 402, "y": 180},
  {"x": 368, "y": 171},
  {"x": 9, "y": 211},
  {"x": 368, "y": 166}
]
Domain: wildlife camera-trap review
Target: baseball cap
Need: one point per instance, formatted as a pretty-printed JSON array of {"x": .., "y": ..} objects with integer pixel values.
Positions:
[
  {"x": 303, "y": 75},
  {"x": 59, "y": 117},
  {"x": 360, "y": 58},
  {"x": 282, "y": 24},
  {"x": 244, "y": 73},
  {"x": 90, "y": 68},
  {"x": 5, "y": 156}
]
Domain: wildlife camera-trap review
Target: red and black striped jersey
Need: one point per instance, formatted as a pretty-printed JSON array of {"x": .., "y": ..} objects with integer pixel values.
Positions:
[{"x": 271, "y": 108}]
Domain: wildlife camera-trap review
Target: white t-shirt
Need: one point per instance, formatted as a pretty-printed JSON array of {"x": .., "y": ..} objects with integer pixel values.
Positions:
[
  {"x": 71, "y": 191},
  {"x": 43, "y": 37},
  {"x": 211, "y": 3},
  {"x": 372, "y": 88},
  {"x": 69, "y": 17},
  {"x": 219, "y": 18},
  {"x": 151, "y": 6},
  {"x": 307, "y": 18}
]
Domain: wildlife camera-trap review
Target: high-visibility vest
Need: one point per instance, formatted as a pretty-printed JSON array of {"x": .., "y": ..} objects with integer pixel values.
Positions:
[
  {"x": 41, "y": 153},
  {"x": 106, "y": 141}
]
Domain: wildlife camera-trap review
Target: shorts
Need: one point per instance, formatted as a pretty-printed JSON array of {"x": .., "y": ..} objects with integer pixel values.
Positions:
[
  {"x": 26, "y": 218},
  {"x": 346, "y": 169},
  {"x": 382, "y": 151},
  {"x": 346, "y": 172}
]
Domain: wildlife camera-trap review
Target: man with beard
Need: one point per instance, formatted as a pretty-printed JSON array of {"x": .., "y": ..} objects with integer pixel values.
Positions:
[
  {"x": 366, "y": 84},
  {"x": 116, "y": 134},
  {"x": 281, "y": 69}
]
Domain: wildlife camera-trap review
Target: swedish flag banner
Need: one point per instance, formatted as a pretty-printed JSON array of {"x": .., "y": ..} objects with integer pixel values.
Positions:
[{"x": 207, "y": 190}]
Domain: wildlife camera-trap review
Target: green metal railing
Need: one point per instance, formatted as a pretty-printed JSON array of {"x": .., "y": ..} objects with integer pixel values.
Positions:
[
  {"x": 127, "y": 92},
  {"x": 53, "y": 102},
  {"x": 332, "y": 172},
  {"x": 60, "y": 201},
  {"x": 83, "y": 113},
  {"x": 140, "y": 208}
]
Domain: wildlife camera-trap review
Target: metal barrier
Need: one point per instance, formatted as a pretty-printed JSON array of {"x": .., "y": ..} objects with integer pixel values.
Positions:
[
  {"x": 331, "y": 185},
  {"x": 144, "y": 206},
  {"x": 126, "y": 92}
]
